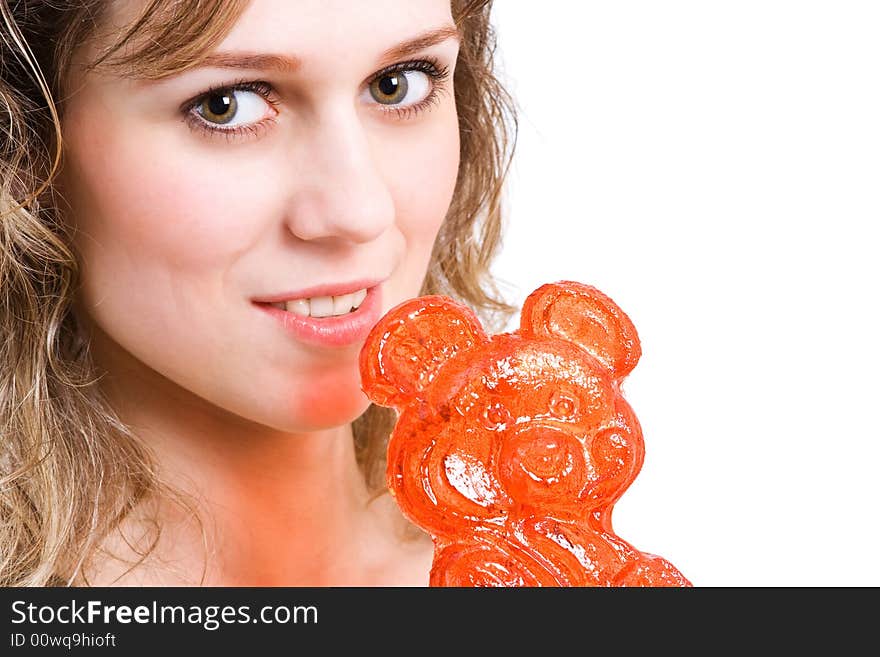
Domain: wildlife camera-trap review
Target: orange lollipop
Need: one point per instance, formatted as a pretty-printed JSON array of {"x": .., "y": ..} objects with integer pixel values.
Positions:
[{"x": 511, "y": 450}]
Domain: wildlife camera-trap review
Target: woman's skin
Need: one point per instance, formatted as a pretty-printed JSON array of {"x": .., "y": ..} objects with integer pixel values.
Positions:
[{"x": 180, "y": 230}]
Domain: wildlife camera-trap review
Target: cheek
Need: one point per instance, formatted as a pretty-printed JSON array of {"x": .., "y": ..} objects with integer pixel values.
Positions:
[
  {"x": 424, "y": 179},
  {"x": 159, "y": 234},
  {"x": 145, "y": 197}
]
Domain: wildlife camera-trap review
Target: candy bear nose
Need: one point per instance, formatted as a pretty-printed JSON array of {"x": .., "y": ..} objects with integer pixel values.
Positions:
[{"x": 540, "y": 464}]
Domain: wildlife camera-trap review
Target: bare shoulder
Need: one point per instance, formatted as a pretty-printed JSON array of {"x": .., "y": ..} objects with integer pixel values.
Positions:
[{"x": 409, "y": 552}]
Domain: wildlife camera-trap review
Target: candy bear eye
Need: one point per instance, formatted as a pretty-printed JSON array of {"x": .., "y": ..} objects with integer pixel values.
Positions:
[
  {"x": 563, "y": 405},
  {"x": 496, "y": 417}
]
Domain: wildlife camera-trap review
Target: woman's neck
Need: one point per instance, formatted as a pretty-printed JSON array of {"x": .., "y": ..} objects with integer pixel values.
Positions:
[{"x": 261, "y": 507}]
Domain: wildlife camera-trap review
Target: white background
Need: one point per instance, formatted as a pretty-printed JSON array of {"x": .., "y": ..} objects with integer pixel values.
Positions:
[{"x": 714, "y": 167}]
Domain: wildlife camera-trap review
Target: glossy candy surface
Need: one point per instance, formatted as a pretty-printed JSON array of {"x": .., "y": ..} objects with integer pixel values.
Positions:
[{"x": 510, "y": 450}]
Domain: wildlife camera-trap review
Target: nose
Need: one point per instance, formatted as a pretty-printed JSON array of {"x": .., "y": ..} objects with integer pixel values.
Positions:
[{"x": 339, "y": 192}]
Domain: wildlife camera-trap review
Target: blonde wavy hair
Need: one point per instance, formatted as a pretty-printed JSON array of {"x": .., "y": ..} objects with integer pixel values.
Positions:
[{"x": 70, "y": 470}]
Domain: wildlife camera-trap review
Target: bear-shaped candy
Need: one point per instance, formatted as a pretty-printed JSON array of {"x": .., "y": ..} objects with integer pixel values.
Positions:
[{"x": 511, "y": 450}]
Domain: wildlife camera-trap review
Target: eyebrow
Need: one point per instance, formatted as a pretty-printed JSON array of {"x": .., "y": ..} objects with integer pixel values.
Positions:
[{"x": 289, "y": 63}]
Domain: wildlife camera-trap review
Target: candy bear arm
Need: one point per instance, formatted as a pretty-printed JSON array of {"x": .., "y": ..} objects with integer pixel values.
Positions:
[
  {"x": 585, "y": 316},
  {"x": 650, "y": 570},
  {"x": 428, "y": 467}
]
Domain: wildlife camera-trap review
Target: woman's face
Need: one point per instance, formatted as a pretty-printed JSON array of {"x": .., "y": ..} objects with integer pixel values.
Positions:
[{"x": 303, "y": 180}]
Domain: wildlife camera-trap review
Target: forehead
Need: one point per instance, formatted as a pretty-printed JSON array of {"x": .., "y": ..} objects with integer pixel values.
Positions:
[
  {"x": 315, "y": 26},
  {"x": 313, "y": 29},
  {"x": 304, "y": 38}
]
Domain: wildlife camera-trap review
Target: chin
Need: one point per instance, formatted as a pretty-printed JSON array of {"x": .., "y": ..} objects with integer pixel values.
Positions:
[{"x": 320, "y": 409}]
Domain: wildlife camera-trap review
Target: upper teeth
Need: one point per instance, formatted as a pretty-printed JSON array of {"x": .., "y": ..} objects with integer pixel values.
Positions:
[{"x": 323, "y": 306}]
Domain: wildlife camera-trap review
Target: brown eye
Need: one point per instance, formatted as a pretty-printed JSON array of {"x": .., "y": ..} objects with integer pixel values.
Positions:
[
  {"x": 390, "y": 89},
  {"x": 563, "y": 406},
  {"x": 240, "y": 106},
  {"x": 405, "y": 88},
  {"x": 219, "y": 107}
]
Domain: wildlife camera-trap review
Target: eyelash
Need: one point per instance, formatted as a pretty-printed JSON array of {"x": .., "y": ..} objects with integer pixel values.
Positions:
[{"x": 429, "y": 66}]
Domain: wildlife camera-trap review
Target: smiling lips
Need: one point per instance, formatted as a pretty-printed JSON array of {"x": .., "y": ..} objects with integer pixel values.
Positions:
[
  {"x": 328, "y": 315},
  {"x": 324, "y": 306}
]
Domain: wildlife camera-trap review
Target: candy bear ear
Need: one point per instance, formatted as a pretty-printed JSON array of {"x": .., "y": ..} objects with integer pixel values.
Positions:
[
  {"x": 585, "y": 316},
  {"x": 407, "y": 347}
]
